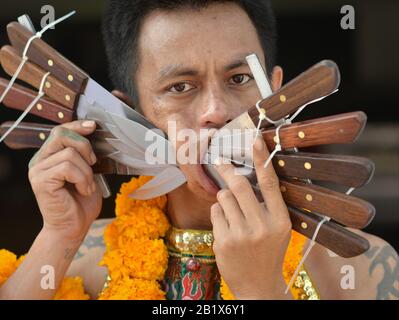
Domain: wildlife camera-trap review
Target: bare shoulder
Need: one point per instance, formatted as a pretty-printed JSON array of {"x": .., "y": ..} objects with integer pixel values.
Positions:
[
  {"x": 382, "y": 267},
  {"x": 86, "y": 261},
  {"x": 373, "y": 275}
]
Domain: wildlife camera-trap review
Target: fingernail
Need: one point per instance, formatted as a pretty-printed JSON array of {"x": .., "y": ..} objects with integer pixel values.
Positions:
[
  {"x": 259, "y": 144},
  {"x": 88, "y": 124},
  {"x": 89, "y": 192},
  {"x": 93, "y": 187},
  {"x": 93, "y": 158}
]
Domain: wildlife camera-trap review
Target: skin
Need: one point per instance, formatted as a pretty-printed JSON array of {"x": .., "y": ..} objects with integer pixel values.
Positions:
[{"x": 198, "y": 86}]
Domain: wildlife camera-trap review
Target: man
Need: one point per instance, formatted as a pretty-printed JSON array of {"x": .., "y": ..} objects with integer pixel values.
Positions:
[{"x": 184, "y": 61}]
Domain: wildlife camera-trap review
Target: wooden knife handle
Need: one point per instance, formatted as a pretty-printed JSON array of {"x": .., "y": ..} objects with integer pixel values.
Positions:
[
  {"x": 47, "y": 58},
  {"x": 32, "y": 136},
  {"x": 341, "y": 128},
  {"x": 344, "y": 170},
  {"x": 348, "y": 210},
  {"x": 33, "y": 74},
  {"x": 26, "y": 135},
  {"x": 20, "y": 97},
  {"x": 318, "y": 81},
  {"x": 331, "y": 235}
]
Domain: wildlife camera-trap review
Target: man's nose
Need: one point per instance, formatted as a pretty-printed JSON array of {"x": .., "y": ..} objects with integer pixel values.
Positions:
[{"x": 216, "y": 111}]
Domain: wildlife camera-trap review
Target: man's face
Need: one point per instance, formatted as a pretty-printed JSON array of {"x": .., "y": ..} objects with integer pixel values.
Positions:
[{"x": 192, "y": 70}]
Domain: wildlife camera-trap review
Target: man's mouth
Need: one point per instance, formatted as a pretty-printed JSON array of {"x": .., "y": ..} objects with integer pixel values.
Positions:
[{"x": 205, "y": 179}]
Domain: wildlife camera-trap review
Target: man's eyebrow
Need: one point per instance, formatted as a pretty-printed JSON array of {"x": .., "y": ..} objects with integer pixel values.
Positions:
[
  {"x": 175, "y": 70},
  {"x": 236, "y": 64}
]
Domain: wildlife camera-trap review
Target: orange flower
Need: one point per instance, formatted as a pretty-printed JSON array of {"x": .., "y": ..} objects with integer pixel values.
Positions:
[
  {"x": 71, "y": 289},
  {"x": 133, "y": 289}
]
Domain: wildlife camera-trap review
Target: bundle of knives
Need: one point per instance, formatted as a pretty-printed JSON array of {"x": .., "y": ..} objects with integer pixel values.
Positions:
[{"x": 120, "y": 145}]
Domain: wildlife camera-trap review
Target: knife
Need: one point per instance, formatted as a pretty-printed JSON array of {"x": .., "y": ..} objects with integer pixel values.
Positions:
[
  {"x": 344, "y": 170},
  {"x": 348, "y": 171},
  {"x": 84, "y": 89},
  {"x": 331, "y": 235},
  {"x": 336, "y": 129},
  {"x": 342, "y": 128},
  {"x": 19, "y": 97},
  {"x": 347, "y": 210},
  {"x": 318, "y": 81}
]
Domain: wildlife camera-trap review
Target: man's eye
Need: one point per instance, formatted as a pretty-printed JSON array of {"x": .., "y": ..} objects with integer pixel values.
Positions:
[
  {"x": 181, "y": 87},
  {"x": 240, "y": 79}
]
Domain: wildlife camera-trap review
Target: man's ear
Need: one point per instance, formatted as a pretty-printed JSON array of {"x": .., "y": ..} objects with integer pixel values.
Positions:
[
  {"x": 123, "y": 96},
  {"x": 277, "y": 78}
]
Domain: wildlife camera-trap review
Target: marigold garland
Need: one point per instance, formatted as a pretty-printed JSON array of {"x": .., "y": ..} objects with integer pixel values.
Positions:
[
  {"x": 70, "y": 288},
  {"x": 136, "y": 255}
]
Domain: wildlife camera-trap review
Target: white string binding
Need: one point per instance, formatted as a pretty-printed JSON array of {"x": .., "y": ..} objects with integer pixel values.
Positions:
[
  {"x": 22, "y": 116},
  {"x": 305, "y": 255},
  {"x": 280, "y": 123},
  {"x": 28, "y": 43},
  {"x": 309, "y": 248},
  {"x": 17, "y": 72}
]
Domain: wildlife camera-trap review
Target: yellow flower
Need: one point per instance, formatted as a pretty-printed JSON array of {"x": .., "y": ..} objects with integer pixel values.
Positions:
[
  {"x": 71, "y": 289},
  {"x": 125, "y": 204},
  {"x": 8, "y": 264},
  {"x": 133, "y": 289},
  {"x": 138, "y": 258},
  {"x": 225, "y": 291}
]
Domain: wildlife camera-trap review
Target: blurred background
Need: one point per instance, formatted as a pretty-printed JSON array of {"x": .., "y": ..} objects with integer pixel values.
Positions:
[{"x": 309, "y": 31}]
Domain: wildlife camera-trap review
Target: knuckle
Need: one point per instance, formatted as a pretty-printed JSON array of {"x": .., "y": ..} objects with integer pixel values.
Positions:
[
  {"x": 269, "y": 182},
  {"x": 237, "y": 182},
  {"x": 224, "y": 195},
  {"x": 57, "y": 131},
  {"x": 67, "y": 166},
  {"x": 70, "y": 153}
]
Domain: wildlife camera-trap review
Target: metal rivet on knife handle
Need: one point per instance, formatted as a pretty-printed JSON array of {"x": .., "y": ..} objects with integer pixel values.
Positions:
[
  {"x": 19, "y": 97},
  {"x": 331, "y": 235},
  {"x": 41, "y": 54},
  {"x": 341, "y": 128},
  {"x": 349, "y": 171},
  {"x": 33, "y": 74},
  {"x": 348, "y": 210},
  {"x": 316, "y": 82}
]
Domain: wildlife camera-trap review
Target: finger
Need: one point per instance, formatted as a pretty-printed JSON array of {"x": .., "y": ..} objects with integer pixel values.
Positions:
[
  {"x": 241, "y": 189},
  {"x": 219, "y": 222},
  {"x": 231, "y": 209},
  {"x": 67, "y": 172},
  {"x": 71, "y": 155},
  {"x": 62, "y": 137},
  {"x": 268, "y": 181}
]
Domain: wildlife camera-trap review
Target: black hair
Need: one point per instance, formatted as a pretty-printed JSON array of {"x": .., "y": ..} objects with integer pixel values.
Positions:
[{"x": 121, "y": 30}]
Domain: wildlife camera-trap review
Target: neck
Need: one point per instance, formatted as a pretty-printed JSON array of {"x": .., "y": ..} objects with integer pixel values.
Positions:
[{"x": 186, "y": 211}]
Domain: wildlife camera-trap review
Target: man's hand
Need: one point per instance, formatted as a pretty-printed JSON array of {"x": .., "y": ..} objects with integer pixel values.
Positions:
[
  {"x": 62, "y": 179},
  {"x": 251, "y": 239}
]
